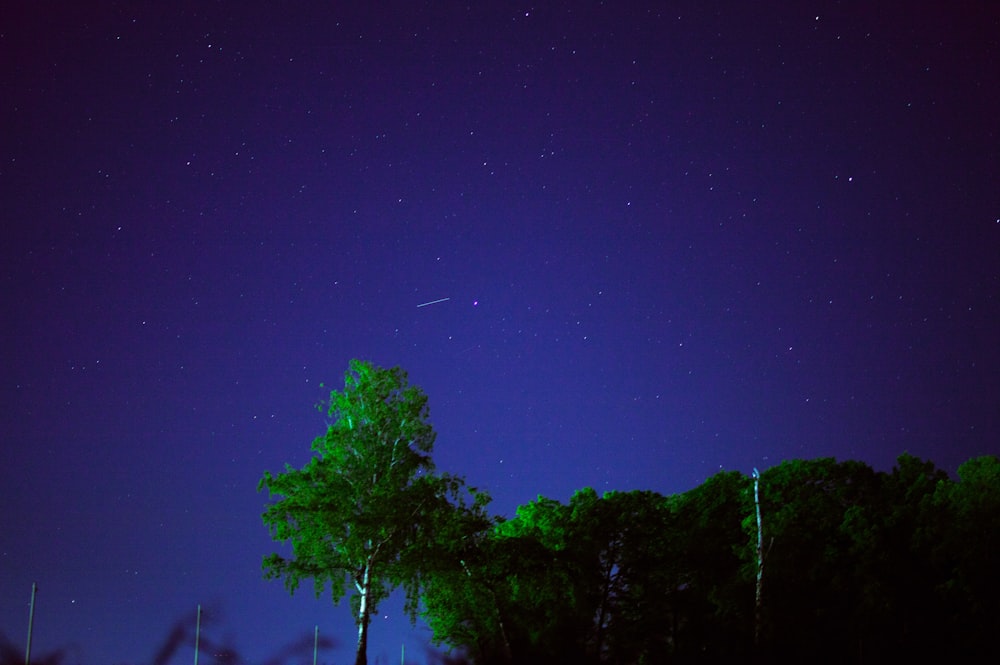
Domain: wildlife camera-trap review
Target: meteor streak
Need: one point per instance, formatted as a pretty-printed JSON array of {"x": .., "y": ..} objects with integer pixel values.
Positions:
[{"x": 433, "y": 302}]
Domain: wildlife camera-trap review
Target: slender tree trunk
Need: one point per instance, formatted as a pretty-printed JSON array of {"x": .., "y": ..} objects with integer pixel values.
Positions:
[
  {"x": 363, "y": 615},
  {"x": 602, "y": 615},
  {"x": 758, "y": 612},
  {"x": 507, "y": 655}
]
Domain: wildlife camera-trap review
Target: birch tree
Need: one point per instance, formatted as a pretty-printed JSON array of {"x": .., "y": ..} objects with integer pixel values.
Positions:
[{"x": 356, "y": 513}]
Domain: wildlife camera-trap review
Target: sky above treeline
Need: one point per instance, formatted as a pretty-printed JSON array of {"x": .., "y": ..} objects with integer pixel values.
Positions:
[{"x": 619, "y": 245}]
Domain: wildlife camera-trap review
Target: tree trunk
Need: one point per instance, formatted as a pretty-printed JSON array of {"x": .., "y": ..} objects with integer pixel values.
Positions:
[
  {"x": 758, "y": 613},
  {"x": 602, "y": 615},
  {"x": 507, "y": 655},
  {"x": 363, "y": 615}
]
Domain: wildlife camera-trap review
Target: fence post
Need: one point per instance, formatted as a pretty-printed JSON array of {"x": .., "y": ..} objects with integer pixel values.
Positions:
[
  {"x": 31, "y": 620},
  {"x": 197, "y": 634}
]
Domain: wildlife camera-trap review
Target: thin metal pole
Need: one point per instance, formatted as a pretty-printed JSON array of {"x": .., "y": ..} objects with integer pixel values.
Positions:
[
  {"x": 31, "y": 620},
  {"x": 197, "y": 635},
  {"x": 315, "y": 643}
]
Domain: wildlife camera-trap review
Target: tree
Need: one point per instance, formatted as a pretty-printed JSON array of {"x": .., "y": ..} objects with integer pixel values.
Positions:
[
  {"x": 969, "y": 532},
  {"x": 890, "y": 537},
  {"x": 367, "y": 505},
  {"x": 494, "y": 597},
  {"x": 459, "y": 593},
  {"x": 813, "y": 567},
  {"x": 715, "y": 561},
  {"x": 865, "y": 566},
  {"x": 626, "y": 543},
  {"x": 758, "y": 599},
  {"x": 593, "y": 581}
]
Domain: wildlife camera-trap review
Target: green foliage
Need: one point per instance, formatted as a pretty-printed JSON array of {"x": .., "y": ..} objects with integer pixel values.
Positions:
[
  {"x": 608, "y": 578},
  {"x": 366, "y": 509},
  {"x": 860, "y": 566},
  {"x": 810, "y": 583},
  {"x": 968, "y": 528}
]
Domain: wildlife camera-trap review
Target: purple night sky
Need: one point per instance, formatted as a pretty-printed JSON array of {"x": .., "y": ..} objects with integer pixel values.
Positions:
[{"x": 668, "y": 239}]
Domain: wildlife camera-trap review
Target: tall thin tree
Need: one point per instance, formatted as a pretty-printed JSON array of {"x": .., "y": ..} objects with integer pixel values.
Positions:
[
  {"x": 758, "y": 598},
  {"x": 358, "y": 513}
]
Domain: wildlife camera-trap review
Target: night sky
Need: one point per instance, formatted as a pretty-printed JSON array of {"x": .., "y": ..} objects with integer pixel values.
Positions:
[{"x": 666, "y": 239}]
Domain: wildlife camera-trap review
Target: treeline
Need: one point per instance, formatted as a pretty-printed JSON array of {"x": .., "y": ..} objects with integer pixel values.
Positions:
[{"x": 857, "y": 566}]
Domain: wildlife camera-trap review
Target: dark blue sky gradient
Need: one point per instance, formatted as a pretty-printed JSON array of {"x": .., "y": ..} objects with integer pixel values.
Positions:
[{"x": 674, "y": 237}]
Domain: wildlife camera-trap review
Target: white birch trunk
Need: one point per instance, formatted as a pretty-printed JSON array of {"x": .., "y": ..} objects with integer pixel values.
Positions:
[
  {"x": 365, "y": 589},
  {"x": 758, "y": 600}
]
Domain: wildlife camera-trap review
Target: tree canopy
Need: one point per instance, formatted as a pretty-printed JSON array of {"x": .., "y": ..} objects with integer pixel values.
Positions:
[
  {"x": 844, "y": 564},
  {"x": 861, "y": 566},
  {"x": 362, "y": 513}
]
